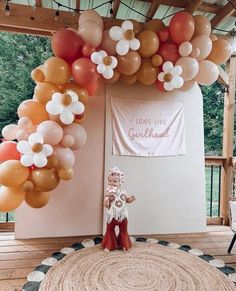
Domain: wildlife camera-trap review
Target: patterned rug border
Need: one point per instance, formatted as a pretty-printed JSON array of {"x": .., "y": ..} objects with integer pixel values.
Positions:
[{"x": 36, "y": 277}]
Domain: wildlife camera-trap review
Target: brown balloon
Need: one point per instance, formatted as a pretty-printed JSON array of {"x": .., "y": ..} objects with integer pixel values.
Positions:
[
  {"x": 114, "y": 79},
  {"x": 137, "y": 26},
  {"x": 147, "y": 74},
  {"x": 128, "y": 80},
  {"x": 43, "y": 91},
  {"x": 201, "y": 26},
  {"x": 155, "y": 25},
  {"x": 38, "y": 75},
  {"x": 221, "y": 51},
  {"x": 13, "y": 174},
  {"x": 45, "y": 179},
  {"x": 10, "y": 198},
  {"x": 79, "y": 90},
  {"x": 56, "y": 118},
  {"x": 129, "y": 64},
  {"x": 66, "y": 174},
  {"x": 108, "y": 44},
  {"x": 28, "y": 186},
  {"x": 149, "y": 43},
  {"x": 56, "y": 71},
  {"x": 157, "y": 60},
  {"x": 52, "y": 162},
  {"x": 37, "y": 199}
]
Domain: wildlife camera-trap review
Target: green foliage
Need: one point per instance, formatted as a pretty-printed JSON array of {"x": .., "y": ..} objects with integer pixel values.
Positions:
[{"x": 19, "y": 55}]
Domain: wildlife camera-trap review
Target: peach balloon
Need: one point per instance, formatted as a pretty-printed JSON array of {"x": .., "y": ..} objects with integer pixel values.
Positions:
[
  {"x": 66, "y": 174},
  {"x": 128, "y": 80},
  {"x": 10, "y": 198},
  {"x": 51, "y": 132},
  {"x": 56, "y": 71},
  {"x": 108, "y": 44},
  {"x": 37, "y": 199},
  {"x": 221, "y": 51},
  {"x": 149, "y": 43},
  {"x": 204, "y": 44},
  {"x": 24, "y": 123},
  {"x": 34, "y": 110},
  {"x": 91, "y": 15},
  {"x": 8, "y": 151},
  {"x": 68, "y": 141},
  {"x": 129, "y": 64},
  {"x": 43, "y": 91},
  {"x": 45, "y": 179},
  {"x": 79, "y": 134},
  {"x": 187, "y": 85},
  {"x": 91, "y": 33},
  {"x": 22, "y": 134},
  {"x": 201, "y": 25},
  {"x": 147, "y": 74},
  {"x": 185, "y": 49},
  {"x": 155, "y": 25},
  {"x": 208, "y": 73},
  {"x": 65, "y": 156},
  {"x": 38, "y": 75},
  {"x": 9, "y": 131},
  {"x": 189, "y": 66},
  {"x": 13, "y": 174},
  {"x": 79, "y": 90}
]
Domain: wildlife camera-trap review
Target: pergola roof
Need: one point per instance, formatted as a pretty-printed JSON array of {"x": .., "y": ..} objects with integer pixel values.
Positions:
[{"x": 221, "y": 12}]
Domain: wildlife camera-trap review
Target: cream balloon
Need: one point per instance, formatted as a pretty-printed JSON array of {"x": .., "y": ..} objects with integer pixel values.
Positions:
[
  {"x": 208, "y": 73},
  {"x": 9, "y": 131},
  {"x": 189, "y": 66},
  {"x": 78, "y": 133},
  {"x": 91, "y": 33},
  {"x": 65, "y": 157},
  {"x": 204, "y": 44},
  {"x": 185, "y": 49},
  {"x": 51, "y": 132},
  {"x": 108, "y": 44},
  {"x": 91, "y": 15}
]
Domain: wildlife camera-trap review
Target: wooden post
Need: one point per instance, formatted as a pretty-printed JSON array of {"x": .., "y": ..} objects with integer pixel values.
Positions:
[{"x": 228, "y": 141}]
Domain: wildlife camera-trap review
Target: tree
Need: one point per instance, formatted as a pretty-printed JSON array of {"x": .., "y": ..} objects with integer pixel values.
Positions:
[{"x": 19, "y": 55}]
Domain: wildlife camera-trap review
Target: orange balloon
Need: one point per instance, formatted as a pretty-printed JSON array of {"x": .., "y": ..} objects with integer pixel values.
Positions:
[
  {"x": 147, "y": 74},
  {"x": 137, "y": 26},
  {"x": 157, "y": 60},
  {"x": 201, "y": 26},
  {"x": 45, "y": 179},
  {"x": 66, "y": 174},
  {"x": 52, "y": 162},
  {"x": 43, "y": 91},
  {"x": 128, "y": 80},
  {"x": 8, "y": 151},
  {"x": 34, "y": 110},
  {"x": 114, "y": 79},
  {"x": 13, "y": 174},
  {"x": 155, "y": 25},
  {"x": 56, "y": 70},
  {"x": 79, "y": 90},
  {"x": 149, "y": 43},
  {"x": 221, "y": 51},
  {"x": 37, "y": 199},
  {"x": 28, "y": 186},
  {"x": 10, "y": 198},
  {"x": 129, "y": 63},
  {"x": 38, "y": 75}
]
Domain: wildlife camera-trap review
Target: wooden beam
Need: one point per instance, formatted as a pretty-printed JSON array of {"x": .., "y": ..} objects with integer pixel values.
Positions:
[
  {"x": 223, "y": 77},
  {"x": 193, "y": 6},
  {"x": 116, "y": 5},
  {"x": 77, "y": 4},
  {"x": 224, "y": 13},
  {"x": 153, "y": 8},
  {"x": 228, "y": 141},
  {"x": 38, "y": 3}
]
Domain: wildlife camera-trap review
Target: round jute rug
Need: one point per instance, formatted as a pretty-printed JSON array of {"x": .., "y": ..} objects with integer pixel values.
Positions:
[{"x": 147, "y": 266}]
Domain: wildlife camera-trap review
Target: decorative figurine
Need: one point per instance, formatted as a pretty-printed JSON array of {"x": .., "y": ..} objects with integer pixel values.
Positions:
[{"x": 117, "y": 213}]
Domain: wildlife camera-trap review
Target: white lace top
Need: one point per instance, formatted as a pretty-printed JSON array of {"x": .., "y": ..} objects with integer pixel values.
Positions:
[{"x": 117, "y": 206}]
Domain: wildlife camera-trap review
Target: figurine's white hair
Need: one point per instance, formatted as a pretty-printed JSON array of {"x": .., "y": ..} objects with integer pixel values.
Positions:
[{"x": 116, "y": 172}]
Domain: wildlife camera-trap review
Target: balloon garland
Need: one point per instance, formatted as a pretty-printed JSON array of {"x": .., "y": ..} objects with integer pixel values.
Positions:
[{"x": 49, "y": 129}]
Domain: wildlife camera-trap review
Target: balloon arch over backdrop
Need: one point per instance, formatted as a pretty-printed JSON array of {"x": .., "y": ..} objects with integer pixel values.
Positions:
[{"x": 49, "y": 127}]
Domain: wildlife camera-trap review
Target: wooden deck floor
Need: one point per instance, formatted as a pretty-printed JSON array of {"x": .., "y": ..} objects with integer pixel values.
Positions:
[{"x": 19, "y": 257}]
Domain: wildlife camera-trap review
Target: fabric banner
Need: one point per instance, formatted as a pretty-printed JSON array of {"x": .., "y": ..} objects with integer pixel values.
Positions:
[{"x": 147, "y": 128}]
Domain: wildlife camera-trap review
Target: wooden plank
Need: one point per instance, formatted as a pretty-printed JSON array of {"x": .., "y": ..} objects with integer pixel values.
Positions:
[
  {"x": 153, "y": 8},
  {"x": 38, "y": 3},
  {"x": 193, "y": 6},
  {"x": 20, "y": 273},
  {"x": 214, "y": 161},
  {"x": 223, "y": 14},
  {"x": 228, "y": 141},
  {"x": 77, "y": 5},
  {"x": 223, "y": 77},
  {"x": 27, "y": 255},
  {"x": 214, "y": 220},
  {"x": 7, "y": 226},
  {"x": 116, "y": 5},
  {"x": 12, "y": 285}
]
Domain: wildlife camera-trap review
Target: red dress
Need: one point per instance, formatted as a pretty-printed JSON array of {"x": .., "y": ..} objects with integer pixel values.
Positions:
[{"x": 117, "y": 215}]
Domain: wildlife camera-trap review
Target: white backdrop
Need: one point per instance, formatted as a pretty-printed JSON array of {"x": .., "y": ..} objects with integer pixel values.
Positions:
[{"x": 170, "y": 191}]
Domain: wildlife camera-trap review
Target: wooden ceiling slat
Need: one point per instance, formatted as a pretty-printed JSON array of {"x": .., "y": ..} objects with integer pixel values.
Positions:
[
  {"x": 153, "y": 8},
  {"x": 116, "y": 5},
  {"x": 77, "y": 4},
  {"x": 225, "y": 12},
  {"x": 193, "y": 6},
  {"x": 38, "y": 3}
]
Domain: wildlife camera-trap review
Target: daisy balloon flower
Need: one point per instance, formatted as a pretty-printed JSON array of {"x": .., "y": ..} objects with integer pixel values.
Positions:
[
  {"x": 171, "y": 76},
  {"x": 105, "y": 64}
]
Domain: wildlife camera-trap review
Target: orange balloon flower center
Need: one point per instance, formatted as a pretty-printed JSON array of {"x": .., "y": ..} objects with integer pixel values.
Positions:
[
  {"x": 107, "y": 60},
  {"x": 168, "y": 77},
  {"x": 129, "y": 34},
  {"x": 66, "y": 99},
  {"x": 37, "y": 147}
]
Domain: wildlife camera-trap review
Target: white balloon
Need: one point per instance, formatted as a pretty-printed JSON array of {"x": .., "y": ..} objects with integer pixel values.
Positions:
[
  {"x": 114, "y": 62},
  {"x": 96, "y": 58},
  {"x": 178, "y": 82},
  {"x": 27, "y": 160},
  {"x": 53, "y": 107},
  {"x": 101, "y": 68},
  {"x": 66, "y": 116},
  {"x": 116, "y": 33},
  {"x": 122, "y": 47},
  {"x": 185, "y": 49},
  {"x": 9, "y": 132},
  {"x": 134, "y": 44},
  {"x": 35, "y": 138},
  {"x": 23, "y": 147},
  {"x": 126, "y": 25},
  {"x": 168, "y": 86},
  {"x": 77, "y": 108},
  {"x": 40, "y": 160},
  {"x": 176, "y": 71},
  {"x": 167, "y": 66},
  {"x": 108, "y": 74}
]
